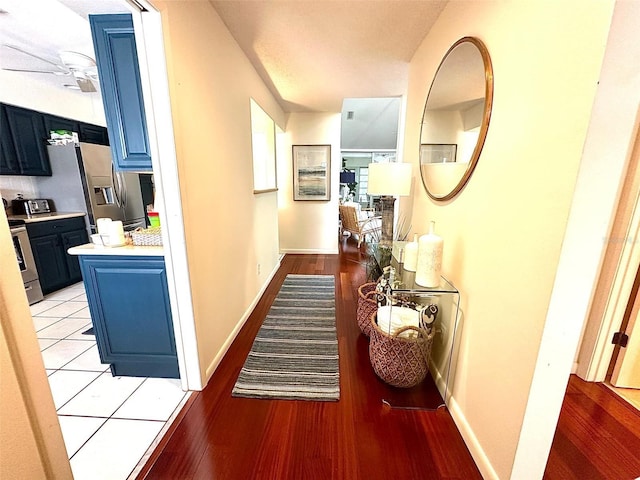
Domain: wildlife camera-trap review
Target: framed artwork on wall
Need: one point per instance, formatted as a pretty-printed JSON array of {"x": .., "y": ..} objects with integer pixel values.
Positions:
[{"x": 311, "y": 172}]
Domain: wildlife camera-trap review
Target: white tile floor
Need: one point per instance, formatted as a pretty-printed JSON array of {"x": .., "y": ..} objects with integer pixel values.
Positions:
[{"x": 109, "y": 424}]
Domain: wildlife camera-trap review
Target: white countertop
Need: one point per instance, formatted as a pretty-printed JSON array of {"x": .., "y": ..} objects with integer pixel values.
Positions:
[
  {"x": 126, "y": 250},
  {"x": 46, "y": 216}
]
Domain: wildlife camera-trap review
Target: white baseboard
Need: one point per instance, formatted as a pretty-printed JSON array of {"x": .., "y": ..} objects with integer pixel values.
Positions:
[
  {"x": 319, "y": 251},
  {"x": 234, "y": 333},
  {"x": 439, "y": 381},
  {"x": 470, "y": 439},
  {"x": 574, "y": 368}
]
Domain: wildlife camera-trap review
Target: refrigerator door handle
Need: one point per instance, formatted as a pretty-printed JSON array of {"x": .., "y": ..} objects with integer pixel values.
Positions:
[
  {"x": 123, "y": 190},
  {"x": 117, "y": 187}
]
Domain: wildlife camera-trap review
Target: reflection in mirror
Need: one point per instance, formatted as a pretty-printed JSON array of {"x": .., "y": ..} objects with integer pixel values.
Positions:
[{"x": 456, "y": 117}]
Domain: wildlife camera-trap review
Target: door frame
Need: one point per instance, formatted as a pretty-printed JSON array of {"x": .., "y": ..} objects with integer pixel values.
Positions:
[
  {"x": 152, "y": 63},
  {"x": 619, "y": 366},
  {"x": 623, "y": 258}
]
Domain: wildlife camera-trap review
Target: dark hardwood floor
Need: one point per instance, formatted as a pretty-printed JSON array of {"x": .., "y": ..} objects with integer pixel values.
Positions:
[
  {"x": 218, "y": 436},
  {"x": 597, "y": 437},
  {"x": 221, "y": 437}
]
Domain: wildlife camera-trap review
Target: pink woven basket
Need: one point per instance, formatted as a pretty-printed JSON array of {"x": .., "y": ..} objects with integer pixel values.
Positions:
[
  {"x": 398, "y": 361},
  {"x": 367, "y": 305}
]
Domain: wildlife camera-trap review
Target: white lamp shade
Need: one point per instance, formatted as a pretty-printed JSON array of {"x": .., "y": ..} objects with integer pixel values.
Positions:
[{"x": 389, "y": 179}]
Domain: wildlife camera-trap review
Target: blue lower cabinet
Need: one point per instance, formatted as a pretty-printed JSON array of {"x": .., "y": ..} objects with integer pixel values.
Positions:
[{"x": 129, "y": 305}]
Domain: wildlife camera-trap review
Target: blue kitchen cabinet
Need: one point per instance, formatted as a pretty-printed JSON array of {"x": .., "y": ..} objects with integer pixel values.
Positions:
[
  {"x": 50, "y": 241},
  {"x": 129, "y": 304},
  {"x": 117, "y": 59},
  {"x": 72, "y": 264},
  {"x": 48, "y": 255}
]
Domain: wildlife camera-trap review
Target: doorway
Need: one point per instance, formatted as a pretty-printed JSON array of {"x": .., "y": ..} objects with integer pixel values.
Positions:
[
  {"x": 623, "y": 375},
  {"x": 614, "y": 309}
]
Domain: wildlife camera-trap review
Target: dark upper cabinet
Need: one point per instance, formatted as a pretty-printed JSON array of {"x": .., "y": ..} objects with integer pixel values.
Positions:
[
  {"x": 52, "y": 122},
  {"x": 24, "y": 134},
  {"x": 93, "y": 134},
  {"x": 117, "y": 58},
  {"x": 87, "y": 132},
  {"x": 8, "y": 159},
  {"x": 27, "y": 134}
]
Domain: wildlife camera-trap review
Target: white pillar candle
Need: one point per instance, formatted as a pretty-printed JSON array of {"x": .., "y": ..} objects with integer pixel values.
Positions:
[
  {"x": 104, "y": 226},
  {"x": 116, "y": 234},
  {"x": 429, "y": 265},
  {"x": 411, "y": 254}
]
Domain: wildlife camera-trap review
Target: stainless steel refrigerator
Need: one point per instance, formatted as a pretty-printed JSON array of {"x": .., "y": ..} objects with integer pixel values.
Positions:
[{"x": 83, "y": 179}]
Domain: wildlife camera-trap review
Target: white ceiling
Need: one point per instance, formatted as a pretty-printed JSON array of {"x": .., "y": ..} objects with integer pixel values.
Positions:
[
  {"x": 45, "y": 28},
  {"x": 311, "y": 54}
]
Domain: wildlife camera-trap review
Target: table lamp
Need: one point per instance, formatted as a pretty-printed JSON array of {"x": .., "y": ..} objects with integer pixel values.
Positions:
[{"x": 388, "y": 180}]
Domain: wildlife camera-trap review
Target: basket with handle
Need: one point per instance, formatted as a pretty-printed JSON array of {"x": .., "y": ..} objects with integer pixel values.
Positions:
[
  {"x": 367, "y": 304},
  {"x": 151, "y": 236},
  {"x": 399, "y": 361}
]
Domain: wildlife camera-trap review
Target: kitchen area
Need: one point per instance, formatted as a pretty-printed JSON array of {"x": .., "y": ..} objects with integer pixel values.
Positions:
[
  {"x": 49, "y": 214},
  {"x": 105, "y": 405},
  {"x": 84, "y": 228}
]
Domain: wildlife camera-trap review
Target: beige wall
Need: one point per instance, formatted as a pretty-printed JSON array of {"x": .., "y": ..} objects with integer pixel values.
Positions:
[
  {"x": 229, "y": 231},
  {"x": 504, "y": 232},
  {"x": 309, "y": 227},
  {"x": 31, "y": 444}
]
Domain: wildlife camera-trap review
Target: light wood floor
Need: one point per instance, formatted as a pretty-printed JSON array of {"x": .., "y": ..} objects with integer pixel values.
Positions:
[{"x": 630, "y": 395}]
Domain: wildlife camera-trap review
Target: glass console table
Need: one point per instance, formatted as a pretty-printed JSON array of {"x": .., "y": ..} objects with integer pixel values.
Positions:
[{"x": 447, "y": 298}]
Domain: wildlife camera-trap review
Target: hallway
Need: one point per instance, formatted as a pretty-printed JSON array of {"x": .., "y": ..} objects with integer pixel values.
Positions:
[
  {"x": 358, "y": 437},
  {"x": 227, "y": 438}
]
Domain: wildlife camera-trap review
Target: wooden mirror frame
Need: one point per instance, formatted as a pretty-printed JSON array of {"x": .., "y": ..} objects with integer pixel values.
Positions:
[{"x": 488, "y": 104}]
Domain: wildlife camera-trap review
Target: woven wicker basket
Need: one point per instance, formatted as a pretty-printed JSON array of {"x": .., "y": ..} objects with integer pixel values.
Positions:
[
  {"x": 398, "y": 361},
  {"x": 148, "y": 237},
  {"x": 367, "y": 305}
]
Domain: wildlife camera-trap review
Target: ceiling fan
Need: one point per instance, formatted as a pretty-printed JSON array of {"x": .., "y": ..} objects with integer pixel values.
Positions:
[{"x": 81, "y": 67}]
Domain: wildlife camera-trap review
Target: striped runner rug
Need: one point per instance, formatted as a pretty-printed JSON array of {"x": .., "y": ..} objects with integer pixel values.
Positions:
[{"x": 295, "y": 353}]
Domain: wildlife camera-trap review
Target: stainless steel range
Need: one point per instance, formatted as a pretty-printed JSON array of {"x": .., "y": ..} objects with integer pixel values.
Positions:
[{"x": 27, "y": 265}]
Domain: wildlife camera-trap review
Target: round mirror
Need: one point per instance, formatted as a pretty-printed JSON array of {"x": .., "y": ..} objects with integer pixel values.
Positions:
[{"x": 456, "y": 118}]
